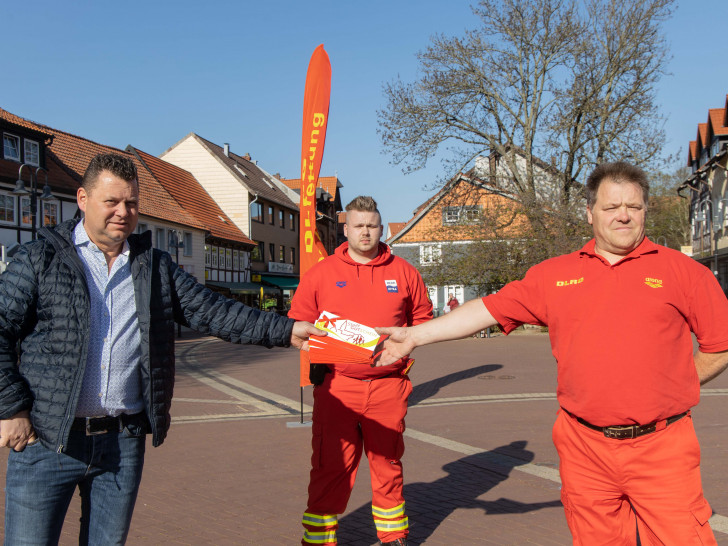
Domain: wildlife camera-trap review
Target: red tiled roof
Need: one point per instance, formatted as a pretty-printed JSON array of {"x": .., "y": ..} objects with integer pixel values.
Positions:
[
  {"x": 187, "y": 191},
  {"x": 249, "y": 174},
  {"x": 702, "y": 136},
  {"x": 716, "y": 124},
  {"x": 341, "y": 217},
  {"x": 395, "y": 227},
  {"x": 154, "y": 201},
  {"x": 73, "y": 154},
  {"x": 328, "y": 183},
  {"x": 22, "y": 122},
  {"x": 58, "y": 177},
  {"x": 692, "y": 152}
]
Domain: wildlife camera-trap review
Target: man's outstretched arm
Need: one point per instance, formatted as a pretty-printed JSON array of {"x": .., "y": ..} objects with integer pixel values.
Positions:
[{"x": 467, "y": 319}]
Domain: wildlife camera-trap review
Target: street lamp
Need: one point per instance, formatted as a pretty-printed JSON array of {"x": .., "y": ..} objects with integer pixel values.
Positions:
[{"x": 20, "y": 190}]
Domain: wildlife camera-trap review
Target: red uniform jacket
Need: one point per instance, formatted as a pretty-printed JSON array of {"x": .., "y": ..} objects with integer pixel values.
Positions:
[{"x": 386, "y": 291}]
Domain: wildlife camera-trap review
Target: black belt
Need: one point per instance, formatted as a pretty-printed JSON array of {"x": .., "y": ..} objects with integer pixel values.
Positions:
[
  {"x": 625, "y": 432},
  {"x": 101, "y": 425}
]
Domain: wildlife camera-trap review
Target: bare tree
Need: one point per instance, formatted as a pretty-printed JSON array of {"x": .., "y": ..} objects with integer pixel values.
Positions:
[
  {"x": 668, "y": 214},
  {"x": 541, "y": 86},
  {"x": 608, "y": 112},
  {"x": 569, "y": 81}
]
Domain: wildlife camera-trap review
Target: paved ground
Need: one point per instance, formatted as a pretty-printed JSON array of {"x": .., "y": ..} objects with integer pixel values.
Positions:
[{"x": 480, "y": 467}]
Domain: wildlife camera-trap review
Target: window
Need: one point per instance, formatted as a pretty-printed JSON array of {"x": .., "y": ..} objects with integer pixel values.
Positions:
[
  {"x": 715, "y": 148},
  {"x": 213, "y": 256},
  {"x": 160, "y": 238},
  {"x": 430, "y": 254},
  {"x": 32, "y": 153},
  {"x": 228, "y": 258},
  {"x": 208, "y": 257},
  {"x": 141, "y": 228},
  {"x": 256, "y": 212},
  {"x": 11, "y": 147},
  {"x": 281, "y": 219},
  {"x": 271, "y": 252},
  {"x": 257, "y": 254},
  {"x": 466, "y": 214},
  {"x": 271, "y": 215},
  {"x": 236, "y": 260},
  {"x": 293, "y": 256},
  {"x": 291, "y": 221},
  {"x": 50, "y": 213},
  {"x": 187, "y": 238},
  {"x": 7, "y": 208},
  {"x": 221, "y": 257},
  {"x": 25, "y": 211},
  {"x": 282, "y": 254}
]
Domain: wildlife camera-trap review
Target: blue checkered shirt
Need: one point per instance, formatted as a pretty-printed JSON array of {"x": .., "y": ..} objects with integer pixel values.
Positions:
[{"x": 112, "y": 380}]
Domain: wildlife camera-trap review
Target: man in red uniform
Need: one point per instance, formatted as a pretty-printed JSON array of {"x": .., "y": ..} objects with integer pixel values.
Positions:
[
  {"x": 620, "y": 313},
  {"x": 356, "y": 406}
]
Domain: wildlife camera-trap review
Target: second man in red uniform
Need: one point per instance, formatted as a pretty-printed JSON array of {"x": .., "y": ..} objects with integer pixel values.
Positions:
[{"x": 356, "y": 407}]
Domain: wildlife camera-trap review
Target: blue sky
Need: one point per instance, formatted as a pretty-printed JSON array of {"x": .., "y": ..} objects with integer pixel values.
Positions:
[{"x": 148, "y": 73}]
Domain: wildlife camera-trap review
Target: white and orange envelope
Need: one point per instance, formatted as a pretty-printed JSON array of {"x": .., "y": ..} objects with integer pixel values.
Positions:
[{"x": 347, "y": 342}]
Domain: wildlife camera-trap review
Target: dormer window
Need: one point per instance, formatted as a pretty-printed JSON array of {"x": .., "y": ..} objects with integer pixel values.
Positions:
[
  {"x": 466, "y": 214},
  {"x": 11, "y": 147},
  {"x": 32, "y": 153}
]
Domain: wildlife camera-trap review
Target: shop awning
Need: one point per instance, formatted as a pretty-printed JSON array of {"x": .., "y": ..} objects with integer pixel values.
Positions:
[
  {"x": 285, "y": 283},
  {"x": 244, "y": 287}
]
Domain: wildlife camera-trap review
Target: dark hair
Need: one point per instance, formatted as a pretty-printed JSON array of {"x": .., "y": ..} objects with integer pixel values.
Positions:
[
  {"x": 618, "y": 172},
  {"x": 117, "y": 164},
  {"x": 363, "y": 203}
]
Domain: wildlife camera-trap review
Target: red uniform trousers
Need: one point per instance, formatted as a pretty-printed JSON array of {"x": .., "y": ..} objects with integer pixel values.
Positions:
[
  {"x": 608, "y": 483},
  {"x": 350, "y": 415}
]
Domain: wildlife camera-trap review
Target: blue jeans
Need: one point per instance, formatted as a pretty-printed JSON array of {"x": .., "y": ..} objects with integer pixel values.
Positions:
[{"x": 40, "y": 484}]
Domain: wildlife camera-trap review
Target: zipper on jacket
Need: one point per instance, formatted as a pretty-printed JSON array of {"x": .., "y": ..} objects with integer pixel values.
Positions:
[{"x": 66, "y": 252}]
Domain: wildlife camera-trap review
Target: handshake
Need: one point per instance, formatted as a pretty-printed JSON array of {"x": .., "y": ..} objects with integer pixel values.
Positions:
[
  {"x": 381, "y": 346},
  {"x": 347, "y": 341}
]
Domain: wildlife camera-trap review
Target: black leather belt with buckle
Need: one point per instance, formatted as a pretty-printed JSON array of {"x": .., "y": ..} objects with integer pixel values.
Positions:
[
  {"x": 101, "y": 425},
  {"x": 626, "y": 432}
]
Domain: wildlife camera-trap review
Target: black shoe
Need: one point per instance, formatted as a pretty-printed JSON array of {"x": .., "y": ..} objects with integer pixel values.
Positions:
[{"x": 398, "y": 542}]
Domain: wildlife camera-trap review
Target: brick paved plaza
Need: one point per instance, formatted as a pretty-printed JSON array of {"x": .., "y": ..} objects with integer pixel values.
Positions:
[{"x": 480, "y": 467}]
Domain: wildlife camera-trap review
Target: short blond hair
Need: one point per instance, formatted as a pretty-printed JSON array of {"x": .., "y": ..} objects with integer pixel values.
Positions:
[{"x": 363, "y": 203}]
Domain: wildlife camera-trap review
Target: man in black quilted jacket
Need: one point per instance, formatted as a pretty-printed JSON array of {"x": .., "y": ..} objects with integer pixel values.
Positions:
[{"x": 92, "y": 309}]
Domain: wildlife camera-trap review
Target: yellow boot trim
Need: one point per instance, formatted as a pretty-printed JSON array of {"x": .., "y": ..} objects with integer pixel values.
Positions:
[
  {"x": 388, "y": 525},
  {"x": 389, "y": 513},
  {"x": 319, "y": 537},
  {"x": 319, "y": 520}
]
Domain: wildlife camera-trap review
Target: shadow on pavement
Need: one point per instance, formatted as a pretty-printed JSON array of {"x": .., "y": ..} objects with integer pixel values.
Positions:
[
  {"x": 431, "y": 388},
  {"x": 429, "y": 504}
]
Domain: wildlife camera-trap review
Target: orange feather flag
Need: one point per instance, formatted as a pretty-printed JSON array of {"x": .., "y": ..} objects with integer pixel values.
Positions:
[{"x": 315, "y": 118}]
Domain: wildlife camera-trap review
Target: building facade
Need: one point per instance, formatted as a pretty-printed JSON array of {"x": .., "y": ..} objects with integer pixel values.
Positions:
[
  {"x": 27, "y": 168},
  {"x": 471, "y": 208},
  {"x": 180, "y": 215},
  {"x": 328, "y": 205},
  {"x": 707, "y": 189}
]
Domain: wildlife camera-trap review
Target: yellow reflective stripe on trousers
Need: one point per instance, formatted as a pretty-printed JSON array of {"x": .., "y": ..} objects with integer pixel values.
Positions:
[
  {"x": 319, "y": 537},
  {"x": 396, "y": 512},
  {"x": 385, "y": 525},
  {"x": 319, "y": 520}
]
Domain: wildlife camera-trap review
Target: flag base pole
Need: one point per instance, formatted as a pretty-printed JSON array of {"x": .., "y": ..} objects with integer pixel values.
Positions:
[{"x": 300, "y": 423}]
